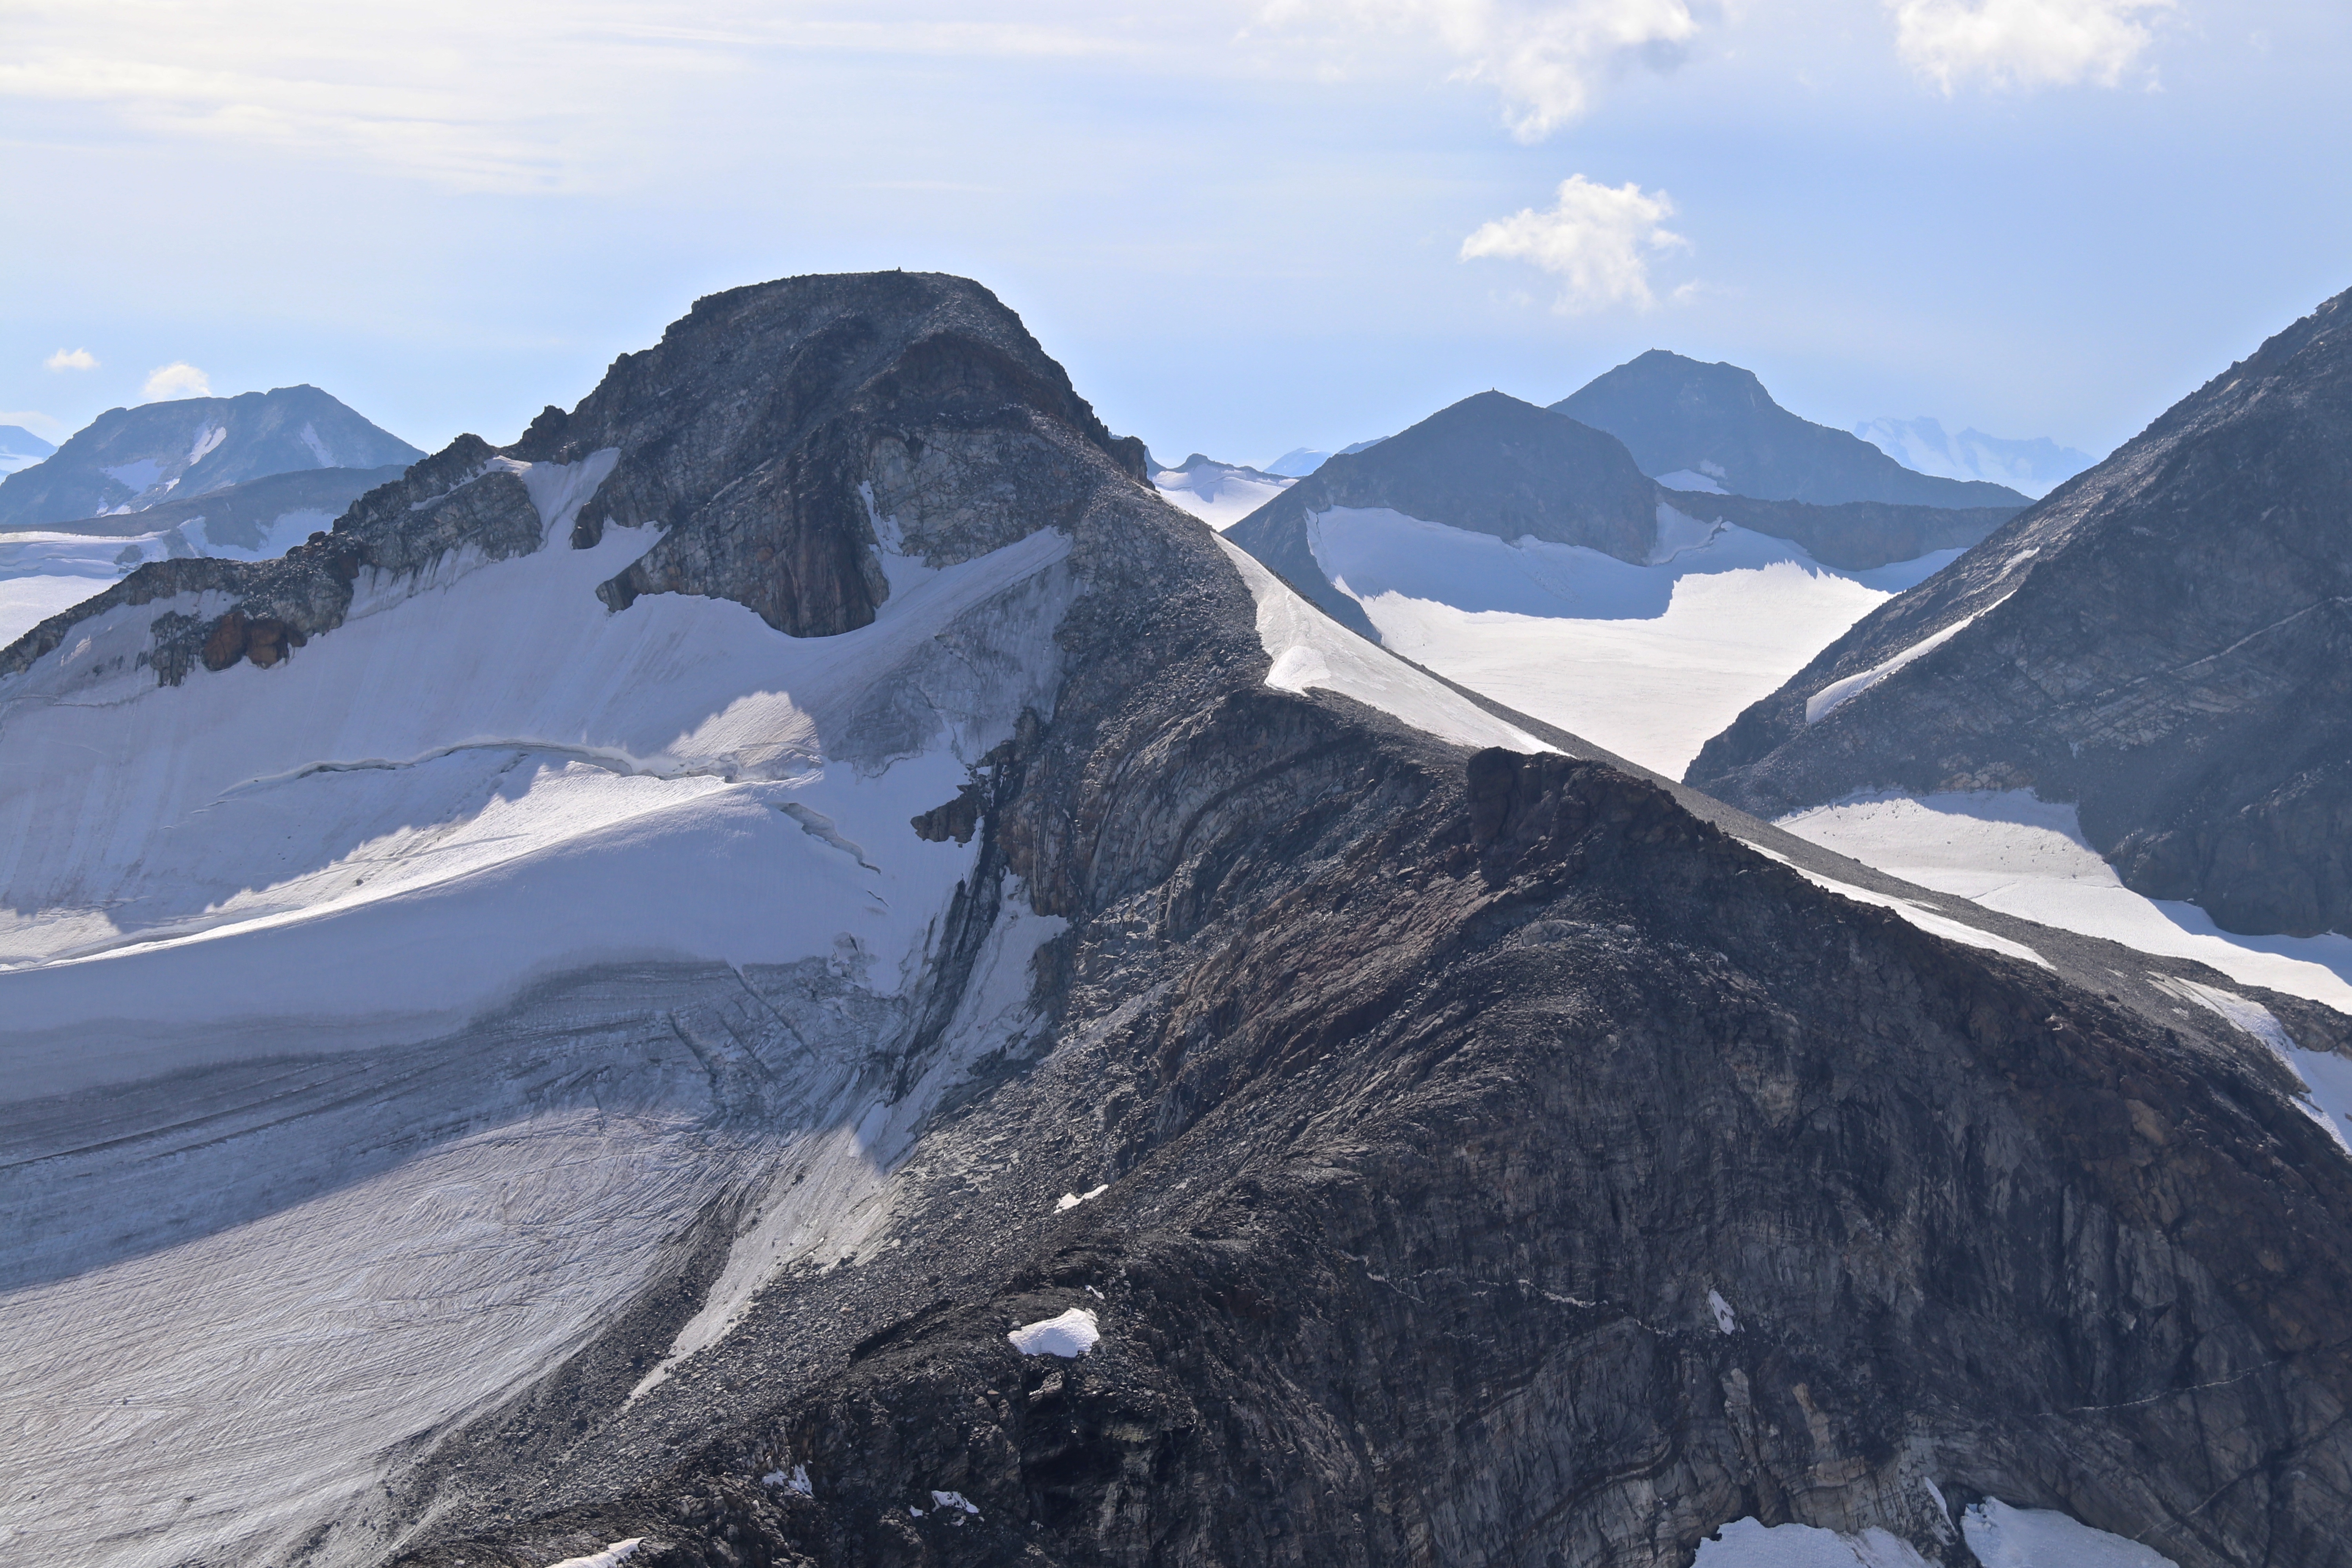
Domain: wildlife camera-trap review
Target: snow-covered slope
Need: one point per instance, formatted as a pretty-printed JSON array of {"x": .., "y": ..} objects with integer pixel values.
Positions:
[
  {"x": 417, "y": 823},
  {"x": 1219, "y": 494},
  {"x": 1646, "y": 660}
]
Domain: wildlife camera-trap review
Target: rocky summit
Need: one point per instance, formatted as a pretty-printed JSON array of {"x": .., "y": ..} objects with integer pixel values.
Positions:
[
  {"x": 2164, "y": 640},
  {"x": 798, "y": 969}
]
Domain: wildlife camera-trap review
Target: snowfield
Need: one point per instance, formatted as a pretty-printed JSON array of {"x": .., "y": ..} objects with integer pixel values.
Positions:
[
  {"x": 372, "y": 1027},
  {"x": 2011, "y": 851},
  {"x": 1647, "y": 661}
]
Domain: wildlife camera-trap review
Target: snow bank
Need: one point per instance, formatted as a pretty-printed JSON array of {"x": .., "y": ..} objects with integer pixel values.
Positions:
[
  {"x": 1838, "y": 693},
  {"x": 2326, "y": 1078},
  {"x": 1648, "y": 662},
  {"x": 2025, "y": 857},
  {"x": 613, "y": 1556},
  {"x": 1072, "y": 1334},
  {"x": 1750, "y": 1543},
  {"x": 2006, "y": 1537},
  {"x": 1216, "y": 494},
  {"x": 1310, "y": 649}
]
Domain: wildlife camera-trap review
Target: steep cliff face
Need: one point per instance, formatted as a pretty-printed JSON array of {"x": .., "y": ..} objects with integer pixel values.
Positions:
[
  {"x": 1456, "y": 1147},
  {"x": 825, "y": 406},
  {"x": 2163, "y": 639}
]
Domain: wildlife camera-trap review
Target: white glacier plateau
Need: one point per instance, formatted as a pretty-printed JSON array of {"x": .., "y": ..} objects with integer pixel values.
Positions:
[{"x": 1647, "y": 661}]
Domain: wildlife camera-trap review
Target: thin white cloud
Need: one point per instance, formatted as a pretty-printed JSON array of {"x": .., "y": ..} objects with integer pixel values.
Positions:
[
  {"x": 1597, "y": 239},
  {"x": 516, "y": 96},
  {"x": 2023, "y": 42},
  {"x": 71, "y": 359},
  {"x": 1544, "y": 57},
  {"x": 178, "y": 379}
]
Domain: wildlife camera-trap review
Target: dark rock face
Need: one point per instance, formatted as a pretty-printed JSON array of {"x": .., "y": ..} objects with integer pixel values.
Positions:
[
  {"x": 2166, "y": 640},
  {"x": 1855, "y": 536},
  {"x": 1676, "y": 414},
  {"x": 913, "y": 386},
  {"x": 191, "y": 446},
  {"x": 1504, "y": 1165}
]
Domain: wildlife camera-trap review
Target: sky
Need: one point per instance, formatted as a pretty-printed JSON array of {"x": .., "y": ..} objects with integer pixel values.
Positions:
[{"x": 1244, "y": 226}]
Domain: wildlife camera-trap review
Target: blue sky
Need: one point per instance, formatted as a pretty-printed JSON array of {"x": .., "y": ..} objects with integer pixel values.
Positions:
[{"x": 1243, "y": 225}]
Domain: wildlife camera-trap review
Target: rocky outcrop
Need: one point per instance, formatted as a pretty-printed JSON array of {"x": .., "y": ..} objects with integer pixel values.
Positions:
[
  {"x": 1498, "y": 1162},
  {"x": 1716, "y": 422},
  {"x": 133, "y": 458},
  {"x": 2165, "y": 640},
  {"x": 464, "y": 496},
  {"x": 772, "y": 431}
]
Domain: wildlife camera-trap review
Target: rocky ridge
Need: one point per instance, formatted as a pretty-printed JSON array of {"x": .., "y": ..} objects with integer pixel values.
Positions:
[
  {"x": 1437, "y": 1097},
  {"x": 2163, "y": 639},
  {"x": 1487, "y": 1156}
]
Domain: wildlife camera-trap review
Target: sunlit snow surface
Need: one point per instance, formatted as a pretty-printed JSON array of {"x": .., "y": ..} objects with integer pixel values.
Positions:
[
  {"x": 1648, "y": 662},
  {"x": 2025, "y": 857},
  {"x": 270, "y": 1223},
  {"x": 1999, "y": 1535},
  {"x": 1219, "y": 494},
  {"x": 1311, "y": 650}
]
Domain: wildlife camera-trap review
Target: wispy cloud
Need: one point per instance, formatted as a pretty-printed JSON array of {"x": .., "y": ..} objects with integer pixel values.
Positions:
[
  {"x": 72, "y": 359},
  {"x": 178, "y": 379},
  {"x": 2023, "y": 42},
  {"x": 1597, "y": 239},
  {"x": 1544, "y": 57},
  {"x": 517, "y": 96}
]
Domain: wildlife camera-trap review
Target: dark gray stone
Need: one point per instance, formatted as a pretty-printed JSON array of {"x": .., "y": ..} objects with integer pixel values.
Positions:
[{"x": 2166, "y": 640}]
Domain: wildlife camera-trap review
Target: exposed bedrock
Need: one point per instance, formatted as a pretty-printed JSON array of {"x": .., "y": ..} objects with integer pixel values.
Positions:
[
  {"x": 1506, "y": 1166},
  {"x": 2166, "y": 640}
]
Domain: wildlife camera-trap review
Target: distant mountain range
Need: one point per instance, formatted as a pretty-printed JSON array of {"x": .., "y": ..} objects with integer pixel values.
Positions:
[
  {"x": 1527, "y": 555},
  {"x": 1301, "y": 461},
  {"x": 128, "y": 459},
  {"x": 2165, "y": 642},
  {"x": 1713, "y": 426},
  {"x": 1219, "y": 494},
  {"x": 2036, "y": 466},
  {"x": 20, "y": 448}
]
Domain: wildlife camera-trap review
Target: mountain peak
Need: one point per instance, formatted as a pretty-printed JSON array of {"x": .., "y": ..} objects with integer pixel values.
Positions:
[
  {"x": 1680, "y": 415},
  {"x": 128, "y": 459}
]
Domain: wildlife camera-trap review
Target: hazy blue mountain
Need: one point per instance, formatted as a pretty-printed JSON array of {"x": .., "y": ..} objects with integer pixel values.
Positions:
[
  {"x": 131, "y": 458},
  {"x": 2036, "y": 466},
  {"x": 20, "y": 448},
  {"x": 1701, "y": 427}
]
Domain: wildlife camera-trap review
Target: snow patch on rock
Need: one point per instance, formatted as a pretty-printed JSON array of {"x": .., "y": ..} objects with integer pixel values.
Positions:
[{"x": 1073, "y": 1334}]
